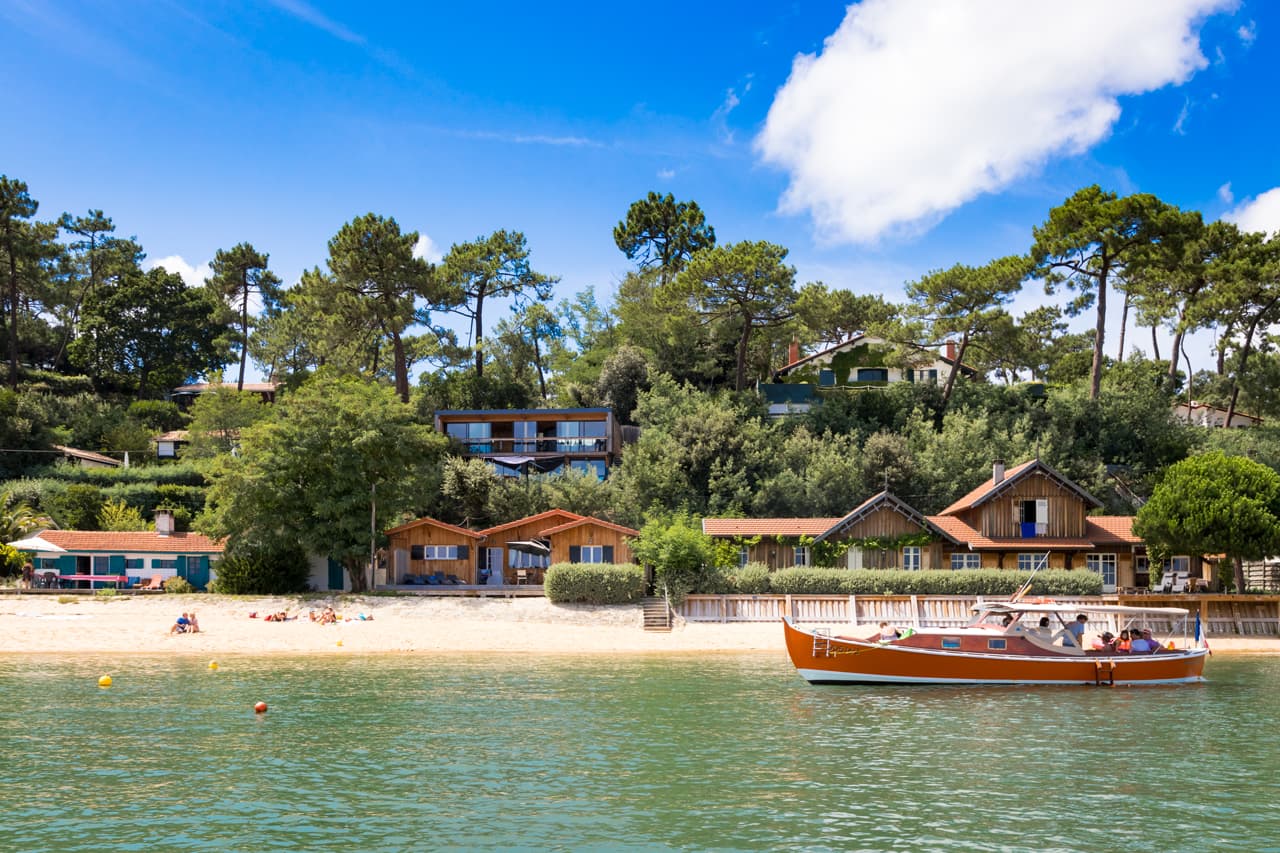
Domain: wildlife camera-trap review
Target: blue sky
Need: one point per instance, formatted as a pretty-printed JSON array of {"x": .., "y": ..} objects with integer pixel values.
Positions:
[{"x": 877, "y": 141}]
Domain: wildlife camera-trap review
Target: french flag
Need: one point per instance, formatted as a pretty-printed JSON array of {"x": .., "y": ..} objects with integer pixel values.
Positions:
[{"x": 1202, "y": 642}]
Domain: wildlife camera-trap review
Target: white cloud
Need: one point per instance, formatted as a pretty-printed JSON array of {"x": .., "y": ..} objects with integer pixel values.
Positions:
[
  {"x": 1258, "y": 214},
  {"x": 1248, "y": 33},
  {"x": 915, "y": 107},
  {"x": 193, "y": 276},
  {"x": 1225, "y": 195},
  {"x": 427, "y": 249},
  {"x": 666, "y": 174},
  {"x": 1179, "y": 126}
]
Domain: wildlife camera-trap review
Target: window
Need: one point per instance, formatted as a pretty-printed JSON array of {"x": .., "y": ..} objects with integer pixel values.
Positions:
[
  {"x": 911, "y": 558},
  {"x": 527, "y": 430},
  {"x": 801, "y": 556},
  {"x": 593, "y": 466},
  {"x": 133, "y": 563},
  {"x": 1177, "y": 564},
  {"x": 158, "y": 563},
  {"x": 1033, "y": 516},
  {"x": 592, "y": 554},
  {"x": 433, "y": 552},
  {"x": 826, "y": 378},
  {"x": 997, "y": 645},
  {"x": 951, "y": 642},
  {"x": 46, "y": 564},
  {"x": 1105, "y": 565},
  {"x": 966, "y": 561},
  {"x": 873, "y": 374},
  {"x": 580, "y": 436},
  {"x": 1030, "y": 562},
  {"x": 468, "y": 433},
  {"x": 166, "y": 449},
  {"x": 926, "y": 376},
  {"x": 525, "y": 560},
  {"x": 744, "y": 555}
]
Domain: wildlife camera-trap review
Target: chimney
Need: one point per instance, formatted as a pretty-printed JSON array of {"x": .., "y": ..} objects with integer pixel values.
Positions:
[
  {"x": 997, "y": 472},
  {"x": 793, "y": 352},
  {"x": 951, "y": 350},
  {"x": 164, "y": 522}
]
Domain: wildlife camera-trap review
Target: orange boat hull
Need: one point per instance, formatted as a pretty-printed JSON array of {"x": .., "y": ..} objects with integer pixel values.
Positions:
[{"x": 838, "y": 660}]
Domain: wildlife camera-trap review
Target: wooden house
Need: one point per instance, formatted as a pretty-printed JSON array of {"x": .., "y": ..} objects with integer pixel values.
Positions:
[
  {"x": 427, "y": 547},
  {"x": 520, "y": 442},
  {"x": 885, "y": 532},
  {"x": 590, "y": 540},
  {"x": 1031, "y": 516},
  {"x": 185, "y": 395},
  {"x": 518, "y": 551},
  {"x": 778, "y": 543},
  {"x": 86, "y": 458}
]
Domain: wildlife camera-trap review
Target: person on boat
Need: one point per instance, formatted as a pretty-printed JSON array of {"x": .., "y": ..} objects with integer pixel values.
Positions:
[
  {"x": 1043, "y": 629},
  {"x": 1124, "y": 644},
  {"x": 887, "y": 633},
  {"x": 1106, "y": 643},
  {"x": 1074, "y": 634},
  {"x": 1145, "y": 644}
]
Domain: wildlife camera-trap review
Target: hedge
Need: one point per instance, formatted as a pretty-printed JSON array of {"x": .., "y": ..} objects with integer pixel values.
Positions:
[
  {"x": 593, "y": 583},
  {"x": 805, "y": 581},
  {"x": 751, "y": 579}
]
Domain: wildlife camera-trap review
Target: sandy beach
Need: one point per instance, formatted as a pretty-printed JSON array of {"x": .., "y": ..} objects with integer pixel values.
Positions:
[{"x": 125, "y": 624}]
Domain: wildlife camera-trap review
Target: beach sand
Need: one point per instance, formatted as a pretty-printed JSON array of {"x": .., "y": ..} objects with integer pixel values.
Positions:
[{"x": 124, "y": 624}]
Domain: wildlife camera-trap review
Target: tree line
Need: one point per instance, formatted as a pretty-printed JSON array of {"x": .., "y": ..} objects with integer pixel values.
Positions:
[{"x": 687, "y": 334}]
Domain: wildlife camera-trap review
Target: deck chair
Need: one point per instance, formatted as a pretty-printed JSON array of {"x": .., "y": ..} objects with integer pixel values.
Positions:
[
  {"x": 522, "y": 576},
  {"x": 1180, "y": 582},
  {"x": 453, "y": 579},
  {"x": 156, "y": 582},
  {"x": 1166, "y": 583}
]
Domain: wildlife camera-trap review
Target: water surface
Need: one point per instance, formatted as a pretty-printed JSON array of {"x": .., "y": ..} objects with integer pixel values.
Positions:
[{"x": 646, "y": 753}]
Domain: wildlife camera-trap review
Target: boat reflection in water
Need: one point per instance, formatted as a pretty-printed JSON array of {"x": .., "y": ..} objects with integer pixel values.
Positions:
[{"x": 1005, "y": 643}]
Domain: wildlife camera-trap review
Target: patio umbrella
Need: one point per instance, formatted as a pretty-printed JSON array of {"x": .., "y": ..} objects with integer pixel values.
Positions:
[{"x": 35, "y": 543}]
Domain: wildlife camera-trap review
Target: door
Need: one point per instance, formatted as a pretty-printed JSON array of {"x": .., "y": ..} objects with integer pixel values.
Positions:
[{"x": 493, "y": 562}]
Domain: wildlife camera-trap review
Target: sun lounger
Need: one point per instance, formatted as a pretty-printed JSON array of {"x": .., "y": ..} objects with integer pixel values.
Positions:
[
  {"x": 454, "y": 579},
  {"x": 1180, "y": 582},
  {"x": 157, "y": 582},
  {"x": 1166, "y": 583}
]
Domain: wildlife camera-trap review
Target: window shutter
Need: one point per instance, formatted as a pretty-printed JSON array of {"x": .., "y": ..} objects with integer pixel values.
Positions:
[
  {"x": 463, "y": 552},
  {"x": 415, "y": 552},
  {"x": 575, "y": 554},
  {"x": 608, "y": 553}
]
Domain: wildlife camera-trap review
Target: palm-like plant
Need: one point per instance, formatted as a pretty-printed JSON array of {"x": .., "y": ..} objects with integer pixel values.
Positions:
[{"x": 18, "y": 521}]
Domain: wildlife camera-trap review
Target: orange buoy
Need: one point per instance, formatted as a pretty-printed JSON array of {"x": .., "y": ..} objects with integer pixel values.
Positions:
[{"x": 260, "y": 708}]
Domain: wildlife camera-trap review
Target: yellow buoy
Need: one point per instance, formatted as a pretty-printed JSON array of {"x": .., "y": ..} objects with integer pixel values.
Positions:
[
  {"x": 339, "y": 642},
  {"x": 104, "y": 681},
  {"x": 213, "y": 664}
]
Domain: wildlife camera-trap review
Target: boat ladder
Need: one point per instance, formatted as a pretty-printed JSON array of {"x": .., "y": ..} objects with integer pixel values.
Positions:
[
  {"x": 1104, "y": 673},
  {"x": 821, "y": 642}
]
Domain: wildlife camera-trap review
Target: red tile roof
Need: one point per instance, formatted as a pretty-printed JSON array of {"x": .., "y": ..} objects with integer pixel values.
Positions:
[
  {"x": 608, "y": 525},
  {"x": 551, "y": 517},
  {"x": 1106, "y": 529},
  {"x": 141, "y": 540},
  {"x": 979, "y": 493},
  {"x": 767, "y": 526},
  {"x": 418, "y": 522}
]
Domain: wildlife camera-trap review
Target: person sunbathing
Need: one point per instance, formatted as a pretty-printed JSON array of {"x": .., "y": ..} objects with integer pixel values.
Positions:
[
  {"x": 328, "y": 617},
  {"x": 182, "y": 626}
]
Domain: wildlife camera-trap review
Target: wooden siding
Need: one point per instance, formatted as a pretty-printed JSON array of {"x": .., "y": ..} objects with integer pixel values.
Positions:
[
  {"x": 882, "y": 522},
  {"x": 590, "y": 534},
  {"x": 400, "y": 548},
  {"x": 1001, "y": 518},
  {"x": 776, "y": 552}
]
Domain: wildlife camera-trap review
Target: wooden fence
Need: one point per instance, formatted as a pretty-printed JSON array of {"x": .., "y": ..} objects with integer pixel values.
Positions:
[{"x": 1223, "y": 615}]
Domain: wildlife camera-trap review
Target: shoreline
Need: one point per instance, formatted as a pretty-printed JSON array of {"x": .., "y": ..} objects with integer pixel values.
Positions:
[{"x": 140, "y": 625}]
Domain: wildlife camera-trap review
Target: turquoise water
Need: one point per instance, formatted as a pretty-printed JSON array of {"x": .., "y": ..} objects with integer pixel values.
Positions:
[{"x": 730, "y": 752}]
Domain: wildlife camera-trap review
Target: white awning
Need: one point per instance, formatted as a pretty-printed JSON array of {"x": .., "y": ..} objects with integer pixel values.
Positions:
[
  {"x": 530, "y": 546},
  {"x": 35, "y": 543}
]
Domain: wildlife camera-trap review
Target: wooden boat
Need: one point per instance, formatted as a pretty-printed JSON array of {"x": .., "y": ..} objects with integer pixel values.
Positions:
[{"x": 1004, "y": 644}]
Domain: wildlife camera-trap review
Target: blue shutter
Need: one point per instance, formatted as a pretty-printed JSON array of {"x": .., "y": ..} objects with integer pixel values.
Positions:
[
  {"x": 575, "y": 554},
  {"x": 608, "y": 553},
  {"x": 463, "y": 552}
]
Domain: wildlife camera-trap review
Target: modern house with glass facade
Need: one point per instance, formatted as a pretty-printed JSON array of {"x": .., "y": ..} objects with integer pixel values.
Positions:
[{"x": 519, "y": 442}]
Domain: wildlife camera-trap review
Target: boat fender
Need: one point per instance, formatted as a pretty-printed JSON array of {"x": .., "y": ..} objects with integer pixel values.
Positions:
[{"x": 905, "y": 632}]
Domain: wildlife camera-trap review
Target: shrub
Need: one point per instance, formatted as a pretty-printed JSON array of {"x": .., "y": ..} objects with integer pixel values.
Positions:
[
  {"x": 276, "y": 571},
  {"x": 752, "y": 579},
  {"x": 178, "y": 585},
  {"x": 805, "y": 581},
  {"x": 593, "y": 583}
]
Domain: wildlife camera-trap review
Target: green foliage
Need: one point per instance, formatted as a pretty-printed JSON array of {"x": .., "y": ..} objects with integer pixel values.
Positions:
[
  {"x": 805, "y": 581},
  {"x": 307, "y": 473},
  {"x": 117, "y": 515},
  {"x": 660, "y": 231},
  {"x": 77, "y": 507},
  {"x": 157, "y": 415},
  {"x": 1214, "y": 504},
  {"x": 218, "y": 416},
  {"x": 24, "y": 426},
  {"x": 677, "y": 549},
  {"x": 593, "y": 583},
  {"x": 11, "y": 559},
  {"x": 262, "y": 572},
  {"x": 751, "y": 579},
  {"x": 178, "y": 586},
  {"x": 55, "y": 384}
]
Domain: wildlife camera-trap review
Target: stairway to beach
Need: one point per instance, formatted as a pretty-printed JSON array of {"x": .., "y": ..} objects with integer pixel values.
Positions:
[{"x": 657, "y": 615}]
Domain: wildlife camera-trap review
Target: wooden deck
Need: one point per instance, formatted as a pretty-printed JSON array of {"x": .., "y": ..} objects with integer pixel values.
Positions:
[{"x": 1223, "y": 615}]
